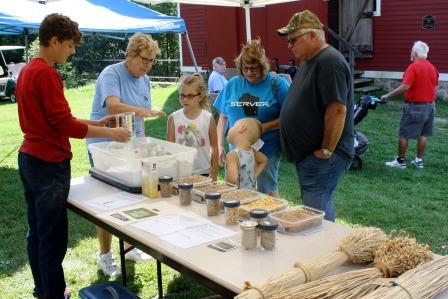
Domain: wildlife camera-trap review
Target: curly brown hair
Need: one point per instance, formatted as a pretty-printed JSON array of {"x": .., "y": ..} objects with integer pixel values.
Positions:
[
  {"x": 59, "y": 26},
  {"x": 251, "y": 53}
]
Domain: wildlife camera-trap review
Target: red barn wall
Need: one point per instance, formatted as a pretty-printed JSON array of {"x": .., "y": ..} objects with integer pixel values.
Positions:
[{"x": 399, "y": 25}]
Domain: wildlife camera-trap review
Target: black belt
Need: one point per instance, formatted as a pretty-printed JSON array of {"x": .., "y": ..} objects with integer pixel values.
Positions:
[{"x": 419, "y": 103}]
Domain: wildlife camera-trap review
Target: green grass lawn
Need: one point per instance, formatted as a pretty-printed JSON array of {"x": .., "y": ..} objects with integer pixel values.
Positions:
[{"x": 414, "y": 200}]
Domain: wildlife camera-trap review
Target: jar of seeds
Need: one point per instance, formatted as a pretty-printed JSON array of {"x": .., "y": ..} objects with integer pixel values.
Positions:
[
  {"x": 231, "y": 211},
  {"x": 185, "y": 193},
  {"x": 212, "y": 200},
  {"x": 166, "y": 186},
  {"x": 268, "y": 231},
  {"x": 249, "y": 234},
  {"x": 258, "y": 215}
]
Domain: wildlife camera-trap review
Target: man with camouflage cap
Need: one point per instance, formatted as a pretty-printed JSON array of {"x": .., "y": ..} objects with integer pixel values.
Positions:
[{"x": 316, "y": 119}]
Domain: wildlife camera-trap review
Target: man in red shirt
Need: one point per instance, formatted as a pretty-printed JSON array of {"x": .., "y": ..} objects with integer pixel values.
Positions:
[
  {"x": 44, "y": 157},
  {"x": 419, "y": 85}
]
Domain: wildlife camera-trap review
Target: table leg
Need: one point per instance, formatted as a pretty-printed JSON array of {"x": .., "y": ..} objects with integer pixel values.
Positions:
[
  {"x": 123, "y": 262},
  {"x": 159, "y": 279}
]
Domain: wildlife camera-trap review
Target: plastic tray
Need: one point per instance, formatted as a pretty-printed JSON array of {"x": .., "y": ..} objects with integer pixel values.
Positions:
[
  {"x": 243, "y": 195},
  {"x": 269, "y": 203},
  {"x": 196, "y": 180},
  {"x": 300, "y": 218},
  {"x": 123, "y": 161},
  {"x": 219, "y": 186}
]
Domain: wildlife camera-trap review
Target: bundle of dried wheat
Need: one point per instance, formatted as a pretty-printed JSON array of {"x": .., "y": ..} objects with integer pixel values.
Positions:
[
  {"x": 358, "y": 247},
  {"x": 392, "y": 258},
  {"x": 425, "y": 281}
]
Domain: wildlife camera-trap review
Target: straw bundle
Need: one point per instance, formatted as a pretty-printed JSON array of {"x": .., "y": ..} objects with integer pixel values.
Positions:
[
  {"x": 425, "y": 281},
  {"x": 358, "y": 247},
  {"x": 391, "y": 258}
]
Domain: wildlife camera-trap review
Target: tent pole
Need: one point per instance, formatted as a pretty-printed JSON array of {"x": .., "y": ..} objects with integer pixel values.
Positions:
[
  {"x": 191, "y": 52},
  {"x": 247, "y": 16}
]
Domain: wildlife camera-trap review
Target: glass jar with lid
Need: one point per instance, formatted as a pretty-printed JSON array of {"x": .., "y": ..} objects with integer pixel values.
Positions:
[
  {"x": 185, "y": 193},
  {"x": 249, "y": 234},
  {"x": 212, "y": 200},
  {"x": 166, "y": 186},
  {"x": 268, "y": 234},
  {"x": 231, "y": 211}
]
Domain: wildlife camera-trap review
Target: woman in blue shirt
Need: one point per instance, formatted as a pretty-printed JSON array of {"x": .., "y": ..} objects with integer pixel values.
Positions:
[{"x": 258, "y": 94}]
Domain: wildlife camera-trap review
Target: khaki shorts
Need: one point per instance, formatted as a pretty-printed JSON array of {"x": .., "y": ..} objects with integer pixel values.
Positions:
[{"x": 417, "y": 120}]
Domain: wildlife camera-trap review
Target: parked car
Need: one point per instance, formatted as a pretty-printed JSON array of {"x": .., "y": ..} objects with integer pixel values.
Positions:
[{"x": 9, "y": 72}]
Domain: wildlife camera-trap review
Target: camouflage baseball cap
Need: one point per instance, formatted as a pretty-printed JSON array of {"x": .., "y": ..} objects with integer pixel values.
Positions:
[{"x": 301, "y": 20}]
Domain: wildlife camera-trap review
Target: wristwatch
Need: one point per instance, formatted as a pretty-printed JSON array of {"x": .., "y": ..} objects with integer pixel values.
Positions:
[{"x": 327, "y": 153}]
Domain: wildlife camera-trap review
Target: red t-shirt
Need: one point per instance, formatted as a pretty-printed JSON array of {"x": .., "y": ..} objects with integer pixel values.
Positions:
[
  {"x": 423, "y": 78},
  {"x": 44, "y": 114}
]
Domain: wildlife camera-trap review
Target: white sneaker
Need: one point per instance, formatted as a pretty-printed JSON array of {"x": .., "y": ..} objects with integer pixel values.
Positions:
[
  {"x": 417, "y": 163},
  {"x": 137, "y": 255},
  {"x": 395, "y": 164},
  {"x": 106, "y": 262}
]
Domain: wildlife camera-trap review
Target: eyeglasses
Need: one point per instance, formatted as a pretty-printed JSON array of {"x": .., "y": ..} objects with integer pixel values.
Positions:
[
  {"x": 188, "y": 96},
  {"x": 252, "y": 69},
  {"x": 148, "y": 60},
  {"x": 292, "y": 41}
]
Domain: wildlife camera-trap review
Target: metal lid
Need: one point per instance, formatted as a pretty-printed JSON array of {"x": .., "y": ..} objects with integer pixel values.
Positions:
[
  {"x": 213, "y": 195},
  {"x": 165, "y": 179},
  {"x": 185, "y": 186},
  {"x": 232, "y": 203},
  {"x": 267, "y": 225},
  {"x": 248, "y": 225},
  {"x": 258, "y": 213}
]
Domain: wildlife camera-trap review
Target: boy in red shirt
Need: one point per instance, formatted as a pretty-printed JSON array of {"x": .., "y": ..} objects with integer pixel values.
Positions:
[
  {"x": 44, "y": 157},
  {"x": 419, "y": 85}
]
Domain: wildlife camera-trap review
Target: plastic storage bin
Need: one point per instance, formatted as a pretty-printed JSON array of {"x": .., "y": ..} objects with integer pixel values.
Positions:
[
  {"x": 300, "y": 218},
  {"x": 123, "y": 161}
]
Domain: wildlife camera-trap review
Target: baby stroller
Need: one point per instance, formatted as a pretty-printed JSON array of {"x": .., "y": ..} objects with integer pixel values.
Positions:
[{"x": 361, "y": 109}]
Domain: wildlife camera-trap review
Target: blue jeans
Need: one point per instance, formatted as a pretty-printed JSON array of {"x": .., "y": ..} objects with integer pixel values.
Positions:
[
  {"x": 267, "y": 181},
  {"x": 318, "y": 179},
  {"x": 46, "y": 188}
]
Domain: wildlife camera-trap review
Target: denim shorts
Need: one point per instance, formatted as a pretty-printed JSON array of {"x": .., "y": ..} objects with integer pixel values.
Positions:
[
  {"x": 417, "y": 121},
  {"x": 267, "y": 181}
]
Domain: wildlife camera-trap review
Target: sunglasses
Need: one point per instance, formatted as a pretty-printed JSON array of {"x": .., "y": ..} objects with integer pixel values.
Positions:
[{"x": 292, "y": 41}]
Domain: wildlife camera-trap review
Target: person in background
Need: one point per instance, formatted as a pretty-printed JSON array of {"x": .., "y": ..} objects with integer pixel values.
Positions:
[
  {"x": 292, "y": 69},
  {"x": 194, "y": 125},
  {"x": 244, "y": 164},
  {"x": 259, "y": 94},
  {"x": 419, "y": 85},
  {"x": 316, "y": 120},
  {"x": 217, "y": 81},
  {"x": 124, "y": 87},
  {"x": 44, "y": 156}
]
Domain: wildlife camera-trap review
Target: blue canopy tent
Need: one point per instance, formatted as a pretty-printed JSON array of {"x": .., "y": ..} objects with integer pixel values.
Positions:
[{"x": 103, "y": 16}]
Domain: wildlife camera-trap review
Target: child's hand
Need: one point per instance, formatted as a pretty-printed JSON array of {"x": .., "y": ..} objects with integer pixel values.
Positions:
[
  {"x": 107, "y": 121},
  {"x": 222, "y": 156}
]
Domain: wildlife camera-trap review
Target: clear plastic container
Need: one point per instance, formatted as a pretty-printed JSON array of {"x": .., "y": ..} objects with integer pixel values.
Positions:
[
  {"x": 231, "y": 213},
  {"x": 166, "y": 186},
  {"x": 212, "y": 200},
  {"x": 123, "y": 161},
  {"x": 268, "y": 230},
  {"x": 249, "y": 234},
  {"x": 126, "y": 120},
  {"x": 268, "y": 203},
  {"x": 300, "y": 218},
  {"x": 185, "y": 193}
]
